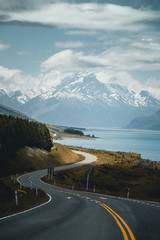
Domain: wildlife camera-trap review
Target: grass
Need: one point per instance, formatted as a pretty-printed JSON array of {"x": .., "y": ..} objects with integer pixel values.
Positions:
[
  {"x": 27, "y": 160},
  {"x": 30, "y": 159},
  {"x": 113, "y": 174},
  {"x": 27, "y": 198}
]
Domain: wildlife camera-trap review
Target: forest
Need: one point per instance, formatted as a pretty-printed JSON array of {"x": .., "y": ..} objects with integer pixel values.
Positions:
[{"x": 16, "y": 133}]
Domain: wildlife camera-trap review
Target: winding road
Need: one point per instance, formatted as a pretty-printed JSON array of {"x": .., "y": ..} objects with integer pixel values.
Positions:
[{"x": 73, "y": 215}]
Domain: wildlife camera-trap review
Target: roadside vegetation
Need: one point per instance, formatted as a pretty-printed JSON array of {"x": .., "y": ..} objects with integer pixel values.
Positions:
[
  {"x": 27, "y": 198},
  {"x": 114, "y": 173},
  {"x": 26, "y": 146},
  {"x": 16, "y": 133},
  {"x": 26, "y": 160}
]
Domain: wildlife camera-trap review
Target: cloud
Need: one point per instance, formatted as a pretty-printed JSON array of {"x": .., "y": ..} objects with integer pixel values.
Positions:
[
  {"x": 81, "y": 32},
  {"x": 130, "y": 58},
  {"x": 15, "y": 80},
  {"x": 4, "y": 46},
  {"x": 146, "y": 44},
  {"x": 86, "y": 16},
  {"x": 8, "y": 73},
  {"x": 70, "y": 44},
  {"x": 22, "y": 53}
]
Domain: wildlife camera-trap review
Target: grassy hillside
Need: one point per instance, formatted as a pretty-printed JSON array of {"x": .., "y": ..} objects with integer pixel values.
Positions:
[
  {"x": 30, "y": 159},
  {"x": 114, "y": 173},
  {"x": 27, "y": 198},
  {"x": 16, "y": 133},
  {"x": 25, "y": 160}
]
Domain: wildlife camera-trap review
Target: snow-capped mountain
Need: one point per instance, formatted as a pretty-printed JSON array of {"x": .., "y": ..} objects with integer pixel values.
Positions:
[{"x": 82, "y": 100}]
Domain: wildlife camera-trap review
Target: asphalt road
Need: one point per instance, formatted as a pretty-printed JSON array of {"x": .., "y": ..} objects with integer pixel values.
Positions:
[{"x": 73, "y": 215}]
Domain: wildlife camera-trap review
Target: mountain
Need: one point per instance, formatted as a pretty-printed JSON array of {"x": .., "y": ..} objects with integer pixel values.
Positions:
[
  {"x": 147, "y": 123},
  {"x": 9, "y": 111},
  {"x": 82, "y": 100}
]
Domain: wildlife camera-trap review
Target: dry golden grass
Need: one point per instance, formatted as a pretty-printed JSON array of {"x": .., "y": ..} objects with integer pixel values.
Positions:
[
  {"x": 113, "y": 174},
  {"x": 30, "y": 159}
]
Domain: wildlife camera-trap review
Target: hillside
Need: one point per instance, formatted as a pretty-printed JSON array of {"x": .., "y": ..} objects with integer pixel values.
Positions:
[
  {"x": 9, "y": 111},
  {"x": 151, "y": 122},
  {"x": 16, "y": 133},
  {"x": 113, "y": 174}
]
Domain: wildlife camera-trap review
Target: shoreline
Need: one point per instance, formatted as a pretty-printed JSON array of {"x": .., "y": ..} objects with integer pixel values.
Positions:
[
  {"x": 120, "y": 129},
  {"x": 98, "y": 149},
  {"x": 144, "y": 142}
]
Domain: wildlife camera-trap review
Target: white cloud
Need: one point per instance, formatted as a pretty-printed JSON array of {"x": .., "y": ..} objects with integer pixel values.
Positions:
[
  {"x": 90, "y": 16},
  {"x": 119, "y": 77},
  {"x": 153, "y": 86},
  {"x": 81, "y": 32},
  {"x": 22, "y": 53},
  {"x": 14, "y": 79},
  {"x": 6, "y": 73},
  {"x": 70, "y": 44},
  {"x": 4, "y": 46},
  {"x": 64, "y": 61},
  {"x": 130, "y": 58}
]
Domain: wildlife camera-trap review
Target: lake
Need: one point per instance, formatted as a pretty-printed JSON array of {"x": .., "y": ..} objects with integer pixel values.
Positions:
[{"x": 147, "y": 143}]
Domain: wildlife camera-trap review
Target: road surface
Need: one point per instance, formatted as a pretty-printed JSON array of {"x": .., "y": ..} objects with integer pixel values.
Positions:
[{"x": 73, "y": 215}]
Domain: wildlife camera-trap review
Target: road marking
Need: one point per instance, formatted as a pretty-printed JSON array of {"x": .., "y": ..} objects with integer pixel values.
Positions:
[
  {"x": 87, "y": 197},
  {"x": 69, "y": 198},
  {"x": 15, "y": 214},
  {"x": 115, "y": 215},
  {"x": 103, "y": 198},
  {"x": 118, "y": 223}
]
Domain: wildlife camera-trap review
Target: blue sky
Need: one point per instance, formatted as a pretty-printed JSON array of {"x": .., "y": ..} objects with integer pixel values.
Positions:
[{"x": 42, "y": 42}]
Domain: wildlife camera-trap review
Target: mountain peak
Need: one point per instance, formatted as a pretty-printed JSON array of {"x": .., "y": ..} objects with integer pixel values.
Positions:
[{"x": 83, "y": 100}]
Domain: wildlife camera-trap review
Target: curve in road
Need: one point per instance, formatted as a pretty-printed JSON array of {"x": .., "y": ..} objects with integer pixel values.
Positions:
[{"x": 82, "y": 215}]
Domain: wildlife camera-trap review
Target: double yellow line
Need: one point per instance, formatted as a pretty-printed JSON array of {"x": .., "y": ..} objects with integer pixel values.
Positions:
[{"x": 119, "y": 222}]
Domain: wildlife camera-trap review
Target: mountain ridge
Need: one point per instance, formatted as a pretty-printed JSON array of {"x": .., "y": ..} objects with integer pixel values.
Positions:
[
  {"x": 151, "y": 122},
  {"x": 84, "y": 101},
  {"x": 9, "y": 111}
]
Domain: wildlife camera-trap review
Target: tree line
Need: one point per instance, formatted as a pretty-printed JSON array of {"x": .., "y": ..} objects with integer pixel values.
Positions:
[
  {"x": 73, "y": 131},
  {"x": 16, "y": 133}
]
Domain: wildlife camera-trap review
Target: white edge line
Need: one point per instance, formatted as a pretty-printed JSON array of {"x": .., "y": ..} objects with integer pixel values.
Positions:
[{"x": 50, "y": 198}]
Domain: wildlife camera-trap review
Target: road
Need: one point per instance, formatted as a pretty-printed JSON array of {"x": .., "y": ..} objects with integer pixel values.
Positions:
[{"x": 73, "y": 215}]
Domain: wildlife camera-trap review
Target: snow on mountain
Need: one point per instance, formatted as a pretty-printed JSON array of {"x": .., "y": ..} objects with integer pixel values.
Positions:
[{"x": 82, "y": 100}]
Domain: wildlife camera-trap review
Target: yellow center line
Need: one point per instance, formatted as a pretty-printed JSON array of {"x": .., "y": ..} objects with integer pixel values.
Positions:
[
  {"x": 125, "y": 224},
  {"x": 97, "y": 201},
  {"x": 115, "y": 216},
  {"x": 118, "y": 223}
]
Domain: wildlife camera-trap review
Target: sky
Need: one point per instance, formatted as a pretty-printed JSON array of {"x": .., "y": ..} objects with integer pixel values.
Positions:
[{"x": 44, "y": 41}]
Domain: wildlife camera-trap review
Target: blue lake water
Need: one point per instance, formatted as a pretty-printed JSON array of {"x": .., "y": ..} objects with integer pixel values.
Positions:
[{"x": 146, "y": 143}]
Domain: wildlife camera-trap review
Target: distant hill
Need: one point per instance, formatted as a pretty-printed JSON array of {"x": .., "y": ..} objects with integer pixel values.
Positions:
[
  {"x": 147, "y": 123},
  {"x": 9, "y": 111}
]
